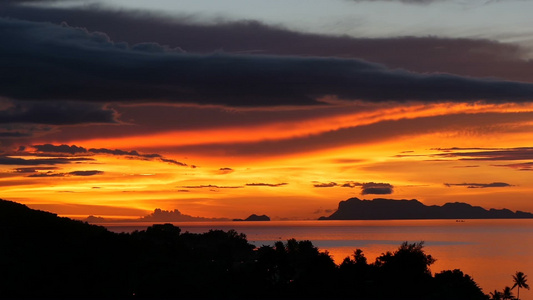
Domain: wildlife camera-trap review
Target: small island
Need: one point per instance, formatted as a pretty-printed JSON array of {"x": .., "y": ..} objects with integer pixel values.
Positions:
[
  {"x": 389, "y": 209},
  {"x": 254, "y": 217}
]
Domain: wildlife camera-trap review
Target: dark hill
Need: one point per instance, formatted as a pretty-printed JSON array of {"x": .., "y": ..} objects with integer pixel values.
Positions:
[{"x": 388, "y": 209}]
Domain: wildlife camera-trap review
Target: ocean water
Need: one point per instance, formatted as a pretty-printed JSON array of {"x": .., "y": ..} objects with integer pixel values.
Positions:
[{"x": 490, "y": 251}]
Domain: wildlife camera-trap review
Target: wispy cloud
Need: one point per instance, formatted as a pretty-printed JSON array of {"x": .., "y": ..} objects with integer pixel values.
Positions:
[
  {"x": 73, "y": 173},
  {"x": 366, "y": 187},
  {"x": 210, "y": 186},
  {"x": 267, "y": 184},
  {"x": 486, "y": 154},
  {"x": 480, "y": 185},
  {"x": 50, "y": 149}
]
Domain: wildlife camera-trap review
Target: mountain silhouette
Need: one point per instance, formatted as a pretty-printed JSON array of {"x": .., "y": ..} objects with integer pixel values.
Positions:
[{"x": 389, "y": 209}]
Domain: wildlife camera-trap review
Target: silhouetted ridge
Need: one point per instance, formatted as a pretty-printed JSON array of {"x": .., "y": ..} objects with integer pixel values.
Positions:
[
  {"x": 388, "y": 209},
  {"x": 45, "y": 256}
]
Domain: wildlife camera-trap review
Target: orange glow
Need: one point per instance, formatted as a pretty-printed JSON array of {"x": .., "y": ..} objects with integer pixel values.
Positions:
[{"x": 287, "y": 130}]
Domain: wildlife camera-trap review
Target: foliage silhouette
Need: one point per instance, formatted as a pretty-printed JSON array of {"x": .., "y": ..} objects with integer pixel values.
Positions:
[
  {"x": 42, "y": 255},
  {"x": 496, "y": 295}
]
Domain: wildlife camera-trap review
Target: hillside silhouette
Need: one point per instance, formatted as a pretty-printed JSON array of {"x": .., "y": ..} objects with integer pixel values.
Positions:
[
  {"x": 388, "y": 209},
  {"x": 43, "y": 256}
]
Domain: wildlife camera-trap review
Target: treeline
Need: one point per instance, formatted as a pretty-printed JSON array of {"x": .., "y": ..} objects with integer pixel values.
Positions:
[{"x": 42, "y": 255}]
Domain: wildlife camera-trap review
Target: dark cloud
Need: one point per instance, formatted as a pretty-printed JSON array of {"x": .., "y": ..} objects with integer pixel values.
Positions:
[
  {"x": 34, "y": 169},
  {"x": 486, "y": 154},
  {"x": 74, "y": 173},
  {"x": 351, "y": 184},
  {"x": 376, "y": 188},
  {"x": 14, "y": 134},
  {"x": 470, "y": 57},
  {"x": 346, "y": 184},
  {"x": 366, "y": 188},
  {"x": 527, "y": 166},
  {"x": 225, "y": 171},
  {"x": 48, "y": 174},
  {"x": 479, "y": 185},
  {"x": 61, "y": 149},
  {"x": 267, "y": 184},
  {"x": 65, "y": 63},
  {"x": 136, "y": 154},
  {"x": 115, "y": 152},
  {"x": 49, "y": 149},
  {"x": 55, "y": 113},
  {"x": 6, "y": 160},
  {"x": 85, "y": 173}
]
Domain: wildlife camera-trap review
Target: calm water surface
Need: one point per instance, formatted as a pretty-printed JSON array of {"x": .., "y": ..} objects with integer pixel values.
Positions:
[{"x": 491, "y": 251}]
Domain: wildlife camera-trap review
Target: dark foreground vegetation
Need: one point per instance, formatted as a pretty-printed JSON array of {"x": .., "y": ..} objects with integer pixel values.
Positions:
[{"x": 42, "y": 255}]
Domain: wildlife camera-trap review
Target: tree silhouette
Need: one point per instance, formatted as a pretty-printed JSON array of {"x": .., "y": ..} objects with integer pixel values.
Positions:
[
  {"x": 520, "y": 281},
  {"x": 496, "y": 295},
  {"x": 507, "y": 294}
]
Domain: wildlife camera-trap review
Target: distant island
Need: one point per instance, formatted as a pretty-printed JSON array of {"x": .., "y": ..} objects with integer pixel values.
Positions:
[
  {"x": 255, "y": 217},
  {"x": 159, "y": 215},
  {"x": 389, "y": 209}
]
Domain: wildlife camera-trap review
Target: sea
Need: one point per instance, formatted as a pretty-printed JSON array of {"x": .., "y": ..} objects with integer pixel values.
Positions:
[{"x": 490, "y": 251}]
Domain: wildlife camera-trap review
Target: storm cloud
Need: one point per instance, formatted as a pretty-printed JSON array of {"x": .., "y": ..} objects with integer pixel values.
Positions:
[
  {"x": 66, "y": 63},
  {"x": 469, "y": 57}
]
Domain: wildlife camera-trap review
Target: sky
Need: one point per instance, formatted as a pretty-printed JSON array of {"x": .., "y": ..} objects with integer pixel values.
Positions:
[{"x": 114, "y": 108}]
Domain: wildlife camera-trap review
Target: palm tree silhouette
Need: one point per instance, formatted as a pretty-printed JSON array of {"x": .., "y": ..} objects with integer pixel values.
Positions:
[{"x": 520, "y": 281}]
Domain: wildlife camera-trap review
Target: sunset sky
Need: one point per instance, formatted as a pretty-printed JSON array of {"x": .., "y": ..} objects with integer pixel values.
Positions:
[{"x": 226, "y": 108}]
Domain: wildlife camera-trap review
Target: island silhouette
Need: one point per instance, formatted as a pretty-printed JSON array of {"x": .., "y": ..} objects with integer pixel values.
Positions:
[
  {"x": 46, "y": 256},
  {"x": 254, "y": 217},
  {"x": 389, "y": 209}
]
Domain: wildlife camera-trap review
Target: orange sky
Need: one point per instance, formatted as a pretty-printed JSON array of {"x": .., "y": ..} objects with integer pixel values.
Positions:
[{"x": 229, "y": 180}]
